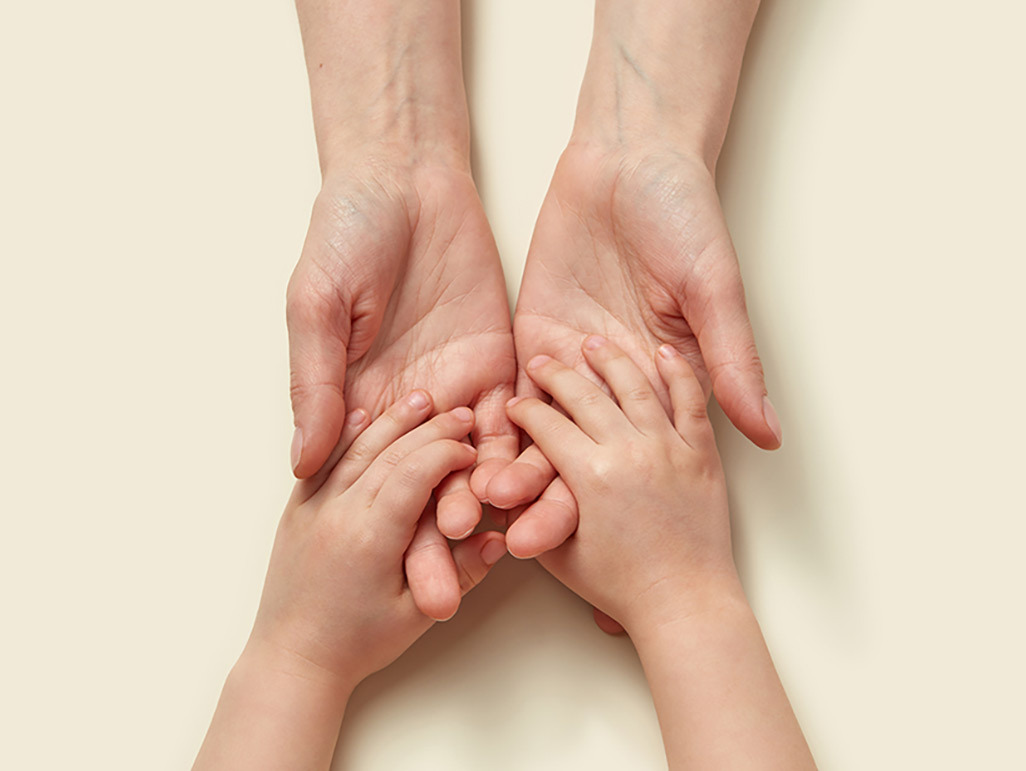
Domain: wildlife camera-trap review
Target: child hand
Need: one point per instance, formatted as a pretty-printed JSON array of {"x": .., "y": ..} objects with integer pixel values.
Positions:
[
  {"x": 336, "y": 594},
  {"x": 651, "y": 492}
]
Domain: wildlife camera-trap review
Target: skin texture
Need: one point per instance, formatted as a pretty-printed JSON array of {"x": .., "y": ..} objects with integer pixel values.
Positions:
[
  {"x": 652, "y": 550},
  {"x": 336, "y": 605},
  {"x": 631, "y": 241},
  {"x": 399, "y": 284}
]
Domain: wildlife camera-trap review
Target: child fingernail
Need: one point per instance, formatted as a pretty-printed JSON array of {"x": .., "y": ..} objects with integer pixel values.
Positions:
[
  {"x": 463, "y": 413},
  {"x": 667, "y": 351},
  {"x": 594, "y": 342},
  {"x": 538, "y": 361},
  {"x": 492, "y": 552},
  {"x": 418, "y": 400},
  {"x": 296, "y": 452},
  {"x": 356, "y": 417},
  {"x": 770, "y": 415}
]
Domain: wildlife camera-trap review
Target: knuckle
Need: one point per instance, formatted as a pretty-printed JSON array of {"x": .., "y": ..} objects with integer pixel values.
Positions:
[
  {"x": 412, "y": 473},
  {"x": 304, "y": 302},
  {"x": 589, "y": 398},
  {"x": 392, "y": 457},
  {"x": 639, "y": 394}
]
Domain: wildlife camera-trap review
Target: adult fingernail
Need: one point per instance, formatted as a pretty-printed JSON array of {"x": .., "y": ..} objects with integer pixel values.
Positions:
[
  {"x": 594, "y": 342},
  {"x": 463, "y": 413},
  {"x": 770, "y": 416},
  {"x": 296, "y": 453},
  {"x": 513, "y": 401},
  {"x": 538, "y": 361},
  {"x": 419, "y": 400},
  {"x": 356, "y": 417},
  {"x": 492, "y": 552},
  {"x": 667, "y": 351}
]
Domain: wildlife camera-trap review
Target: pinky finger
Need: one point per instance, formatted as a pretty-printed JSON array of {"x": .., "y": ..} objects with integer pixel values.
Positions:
[{"x": 475, "y": 556}]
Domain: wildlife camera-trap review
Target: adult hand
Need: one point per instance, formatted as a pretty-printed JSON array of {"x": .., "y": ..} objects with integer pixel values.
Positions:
[
  {"x": 633, "y": 247},
  {"x": 631, "y": 242},
  {"x": 399, "y": 286}
]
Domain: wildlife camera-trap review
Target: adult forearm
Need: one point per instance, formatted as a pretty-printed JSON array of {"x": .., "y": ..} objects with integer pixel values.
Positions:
[
  {"x": 664, "y": 71},
  {"x": 719, "y": 699},
  {"x": 386, "y": 78}
]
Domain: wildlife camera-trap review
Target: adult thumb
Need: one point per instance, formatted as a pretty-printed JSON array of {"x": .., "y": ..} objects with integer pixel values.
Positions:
[
  {"x": 318, "y": 342},
  {"x": 725, "y": 338}
]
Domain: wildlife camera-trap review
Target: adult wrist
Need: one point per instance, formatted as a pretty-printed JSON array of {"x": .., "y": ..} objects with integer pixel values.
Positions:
[
  {"x": 663, "y": 72},
  {"x": 386, "y": 79}
]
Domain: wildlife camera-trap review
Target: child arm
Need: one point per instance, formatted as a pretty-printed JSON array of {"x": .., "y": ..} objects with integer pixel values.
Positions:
[
  {"x": 653, "y": 551},
  {"x": 336, "y": 606}
]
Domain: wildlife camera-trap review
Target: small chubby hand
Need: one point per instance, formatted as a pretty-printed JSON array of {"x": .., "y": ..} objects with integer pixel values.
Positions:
[
  {"x": 337, "y": 593},
  {"x": 649, "y": 487}
]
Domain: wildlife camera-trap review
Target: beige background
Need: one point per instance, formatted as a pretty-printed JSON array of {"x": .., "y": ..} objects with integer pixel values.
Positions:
[{"x": 156, "y": 172}]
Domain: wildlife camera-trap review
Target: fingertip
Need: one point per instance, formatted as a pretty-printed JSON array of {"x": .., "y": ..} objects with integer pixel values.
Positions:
[
  {"x": 607, "y": 623},
  {"x": 458, "y": 513},
  {"x": 296, "y": 450},
  {"x": 493, "y": 550},
  {"x": 513, "y": 485},
  {"x": 482, "y": 476},
  {"x": 419, "y": 399},
  {"x": 769, "y": 414}
]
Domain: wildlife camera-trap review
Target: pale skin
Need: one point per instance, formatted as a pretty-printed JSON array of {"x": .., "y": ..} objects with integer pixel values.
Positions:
[
  {"x": 399, "y": 284},
  {"x": 631, "y": 241},
  {"x": 652, "y": 550},
  {"x": 336, "y": 605}
]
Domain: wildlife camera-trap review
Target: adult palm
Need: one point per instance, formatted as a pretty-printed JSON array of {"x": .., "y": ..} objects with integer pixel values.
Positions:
[
  {"x": 400, "y": 287},
  {"x": 632, "y": 246}
]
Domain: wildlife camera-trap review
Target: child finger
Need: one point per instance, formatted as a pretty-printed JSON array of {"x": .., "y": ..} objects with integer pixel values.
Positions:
[
  {"x": 407, "y": 489},
  {"x": 690, "y": 416},
  {"x": 431, "y": 571},
  {"x": 588, "y": 405},
  {"x": 476, "y": 556},
  {"x": 521, "y": 481},
  {"x": 355, "y": 422},
  {"x": 459, "y": 510},
  {"x": 454, "y": 424},
  {"x": 555, "y": 434},
  {"x": 631, "y": 387},
  {"x": 402, "y": 416},
  {"x": 545, "y": 524}
]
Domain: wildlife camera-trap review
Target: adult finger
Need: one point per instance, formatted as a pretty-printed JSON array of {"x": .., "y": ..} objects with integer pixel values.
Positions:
[
  {"x": 496, "y": 438},
  {"x": 545, "y": 524},
  {"x": 629, "y": 384},
  {"x": 318, "y": 329},
  {"x": 715, "y": 308},
  {"x": 356, "y": 421}
]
